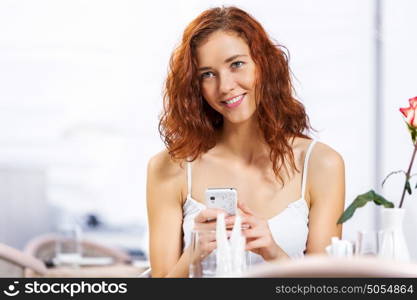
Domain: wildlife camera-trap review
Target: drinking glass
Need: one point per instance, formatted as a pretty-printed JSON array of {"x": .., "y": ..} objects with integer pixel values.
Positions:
[
  {"x": 367, "y": 243},
  {"x": 68, "y": 250},
  {"x": 203, "y": 263}
]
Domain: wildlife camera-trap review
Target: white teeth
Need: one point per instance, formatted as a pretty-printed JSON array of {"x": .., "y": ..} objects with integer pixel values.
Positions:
[{"x": 235, "y": 99}]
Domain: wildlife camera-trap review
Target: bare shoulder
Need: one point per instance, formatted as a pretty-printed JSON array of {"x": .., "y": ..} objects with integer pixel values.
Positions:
[
  {"x": 326, "y": 178},
  {"x": 163, "y": 166},
  {"x": 166, "y": 174},
  {"x": 323, "y": 161},
  {"x": 323, "y": 157}
]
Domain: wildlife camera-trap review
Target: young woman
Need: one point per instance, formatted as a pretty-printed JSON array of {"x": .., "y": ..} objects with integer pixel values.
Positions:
[{"x": 230, "y": 120}]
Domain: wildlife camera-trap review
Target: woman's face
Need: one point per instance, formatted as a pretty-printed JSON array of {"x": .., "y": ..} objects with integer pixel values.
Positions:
[{"x": 227, "y": 76}]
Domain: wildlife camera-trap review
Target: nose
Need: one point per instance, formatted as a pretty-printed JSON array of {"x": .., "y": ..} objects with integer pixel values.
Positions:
[{"x": 226, "y": 83}]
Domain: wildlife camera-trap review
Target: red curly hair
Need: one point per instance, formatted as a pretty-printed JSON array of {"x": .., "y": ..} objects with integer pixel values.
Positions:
[{"x": 189, "y": 126}]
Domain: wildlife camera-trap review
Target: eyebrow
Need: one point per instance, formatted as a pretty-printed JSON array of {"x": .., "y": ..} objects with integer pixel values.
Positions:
[{"x": 226, "y": 61}]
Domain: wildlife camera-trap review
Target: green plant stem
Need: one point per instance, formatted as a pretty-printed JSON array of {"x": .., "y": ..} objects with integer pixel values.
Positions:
[{"x": 407, "y": 175}]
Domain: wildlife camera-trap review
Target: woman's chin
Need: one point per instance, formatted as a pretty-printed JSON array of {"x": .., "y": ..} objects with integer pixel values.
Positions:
[{"x": 237, "y": 120}]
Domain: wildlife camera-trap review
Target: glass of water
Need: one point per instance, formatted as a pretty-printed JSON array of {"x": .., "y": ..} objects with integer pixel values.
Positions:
[
  {"x": 68, "y": 249},
  {"x": 204, "y": 258},
  {"x": 202, "y": 261},
  {"x": 367, "y": 243}
]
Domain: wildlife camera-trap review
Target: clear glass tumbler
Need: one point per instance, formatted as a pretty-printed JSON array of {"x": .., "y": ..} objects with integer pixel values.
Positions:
[
  {"x": 367, "y": 243},
  {"x": 202, "y": 260},
  {"x": 68, "y": 249},
  {"x": 203, "y": 257}
]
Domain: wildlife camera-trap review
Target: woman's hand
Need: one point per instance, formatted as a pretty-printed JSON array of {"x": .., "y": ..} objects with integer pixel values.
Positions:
[
  {"x": 205, "y": 224},
  {"x": 258, "y": 235}
]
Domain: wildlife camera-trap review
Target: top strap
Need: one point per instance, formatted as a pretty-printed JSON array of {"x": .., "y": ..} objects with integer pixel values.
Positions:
[
  {"x": 189, "y": 179},
  {"x": 305, "y": 169}
]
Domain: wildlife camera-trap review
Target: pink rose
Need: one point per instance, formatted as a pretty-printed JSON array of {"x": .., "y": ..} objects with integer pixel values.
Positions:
[{"x": 410, "y": 112}]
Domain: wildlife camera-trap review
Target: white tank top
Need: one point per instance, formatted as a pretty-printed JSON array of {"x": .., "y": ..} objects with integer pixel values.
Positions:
[{"x": 289, "y": 228}]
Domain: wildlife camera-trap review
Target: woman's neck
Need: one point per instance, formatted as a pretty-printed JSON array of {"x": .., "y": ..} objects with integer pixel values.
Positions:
[{"x": 244, "y": 140}]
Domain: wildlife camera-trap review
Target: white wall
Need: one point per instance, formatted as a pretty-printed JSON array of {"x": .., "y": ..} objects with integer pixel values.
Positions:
[
  {"x": 400, "y": 84},
  {"x": 80, "y": 89},
  {"x": 24, "y": 211}
]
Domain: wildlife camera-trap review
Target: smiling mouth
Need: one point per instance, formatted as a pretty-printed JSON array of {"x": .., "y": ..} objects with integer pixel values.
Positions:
[{"x": 234, "y": 102}]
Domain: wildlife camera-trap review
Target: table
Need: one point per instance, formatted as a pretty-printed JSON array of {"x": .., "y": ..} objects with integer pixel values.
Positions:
[
  {"x": 326, "y": 266},
  {"x": 110, "y": 271}
]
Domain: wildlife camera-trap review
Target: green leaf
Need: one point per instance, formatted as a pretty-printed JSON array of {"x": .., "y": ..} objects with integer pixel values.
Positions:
[
  {"x": 408, "y": 187},
  {"x": 379, "y": 200},
  {"x": 361, "y": 201},
  {"x": 413, "y": 132}
]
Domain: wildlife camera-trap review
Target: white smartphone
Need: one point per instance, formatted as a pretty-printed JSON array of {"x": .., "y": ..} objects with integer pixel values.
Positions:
[{"x": 223, "y": 198}]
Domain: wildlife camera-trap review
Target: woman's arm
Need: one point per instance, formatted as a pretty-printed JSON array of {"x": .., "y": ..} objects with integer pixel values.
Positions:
[
  {"x": 164, "y": 205},
  {"x": 326, "y": 188}
]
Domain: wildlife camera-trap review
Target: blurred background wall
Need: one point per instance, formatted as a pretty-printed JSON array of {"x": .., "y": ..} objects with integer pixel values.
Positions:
[{"x": 80, "y": 94}]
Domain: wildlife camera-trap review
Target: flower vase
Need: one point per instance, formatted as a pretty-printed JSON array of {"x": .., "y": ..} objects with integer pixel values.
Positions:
[{"x": 392, "y": 240}]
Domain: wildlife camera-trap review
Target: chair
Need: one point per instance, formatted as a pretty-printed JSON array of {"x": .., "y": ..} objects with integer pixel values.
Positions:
[
  {"x": 326, "y": 266},
  {"x": 43, "y": 247},
  {"x": 13, "y": 262}
]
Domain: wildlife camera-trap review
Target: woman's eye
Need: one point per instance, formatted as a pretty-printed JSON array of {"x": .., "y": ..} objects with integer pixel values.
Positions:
[
  {"x": 237, "y": 64},
  {"x": 206, "y": 75}
]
